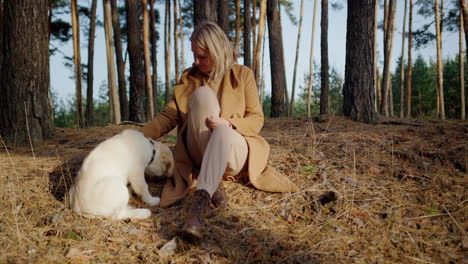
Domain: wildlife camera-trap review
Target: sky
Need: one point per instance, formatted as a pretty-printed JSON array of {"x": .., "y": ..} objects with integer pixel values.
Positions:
[{"x": 64, "y": 87}]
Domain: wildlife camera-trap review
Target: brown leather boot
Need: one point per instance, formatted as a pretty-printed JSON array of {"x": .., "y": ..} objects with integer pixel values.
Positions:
[
  {"x": 219, "y": 198},
  {"x": 193, "y": 227}
]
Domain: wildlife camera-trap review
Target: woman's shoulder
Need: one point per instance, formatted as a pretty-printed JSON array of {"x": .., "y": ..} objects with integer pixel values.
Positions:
[{"x": 242, "y": 71}]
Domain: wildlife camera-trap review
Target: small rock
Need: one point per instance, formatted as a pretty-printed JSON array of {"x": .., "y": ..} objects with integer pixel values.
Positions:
[
  {"x": 168, "y": 249},
  {"x": 32, "y": 251}
]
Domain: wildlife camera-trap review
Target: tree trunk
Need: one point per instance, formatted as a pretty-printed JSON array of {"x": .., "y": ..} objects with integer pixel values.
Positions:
[
  {"x": 440, "y": 77},
  {"x": 120, "y": 62},
  {"x": 311, "y": 71},
  {"x": 278, "y": 74},
  {"x": 388, "y": 45},
  {"x": 167, "y": 50},
  {"x": 402, "y": 64},
  {"x": 223, "y": 15},
  {"x": 247, "y": 34},
  {"x": 112, "y": 82},
  {"x": 259, "y": 42},
  {"x": 464, "y": 10},
  {"x": 237, "y": 36},
  {"x": 390, "y": 98},
  {"x": 25, "y": 112},
  {"x": 410, "y": 62},
  {"x": 324, "y": 87},
  {"x": 181, "y": 35},
  {"x": 204, "y": 10},
  {"x": 77, "y": 61},
  {"x": 176, "y": 41},
  {"x": 376, "y": 79},
  {"x": 358, "y": 92},
  {"x": 147, "y": 59},
  {"x": 135, "y": 48},
  {"x": 90, "y": 78},
  {"x": 461, "y": 71},
  {"x": 154, "y": 62},
  {"x": 254, "y": 30},
  {"x": 293, "y": 89}
]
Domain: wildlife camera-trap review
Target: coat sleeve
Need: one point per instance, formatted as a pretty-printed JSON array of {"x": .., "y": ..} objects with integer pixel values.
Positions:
[
  {"x": 163, "y": 123},
  {"x": 252, "y": 121}
]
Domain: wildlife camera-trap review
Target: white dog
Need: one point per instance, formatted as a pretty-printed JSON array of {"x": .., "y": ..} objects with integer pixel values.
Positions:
[{"x": 100, "y": 188}]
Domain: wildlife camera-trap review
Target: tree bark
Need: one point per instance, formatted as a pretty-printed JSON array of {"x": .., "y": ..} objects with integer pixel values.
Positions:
[
  {"x": 120, "y": 62},
  {"x": 112, "y": 81},
  {"x": 77, "y": 61},
  {"x": 440, "y": 76},
  {"x": 204, "y": 10},
  {"x": 259, "y": 42},
  {"x": 464, "y": 10},
  {"x": 402, "y": 64},
  {"x": 167, "y": 51},
  {"x": 388, "y": 45},
  {"x": 135, "y": 51},
  {"x": 154, "y": 62},
  {"x": 410, "y": 62},
  {"x": 376, "y": 79},
  {"x": 247, "y": 34},
  {"x": 147, "y": 59},
  {"x": 324, "y": 87},
  {"x": 25, "y": 112},
  {"x": 254, "y": 30},
  {"x": 358, "y": 92},
  {"x": 311, "y": 62},
  {"x": 89, "y": 93},
  {"x": 293, "y": 87},
  {"x": 181, "y": 35},
  {"x": 223, "y": 16},
  {"x": 278, "y": 74}
]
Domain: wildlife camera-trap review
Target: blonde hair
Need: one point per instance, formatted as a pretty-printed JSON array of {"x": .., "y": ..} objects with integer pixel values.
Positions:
[{"x": 210, "y": 37}]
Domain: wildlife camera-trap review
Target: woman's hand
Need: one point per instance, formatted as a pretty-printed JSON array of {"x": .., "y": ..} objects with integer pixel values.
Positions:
[{"x": 214, "y": 121}]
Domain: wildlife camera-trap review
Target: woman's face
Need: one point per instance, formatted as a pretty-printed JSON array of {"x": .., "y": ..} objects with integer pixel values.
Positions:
[{"x": 202, "y": 59}]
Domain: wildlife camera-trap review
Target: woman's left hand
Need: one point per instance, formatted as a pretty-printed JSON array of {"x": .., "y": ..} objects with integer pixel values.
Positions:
[{"x": 214, "y": 121}]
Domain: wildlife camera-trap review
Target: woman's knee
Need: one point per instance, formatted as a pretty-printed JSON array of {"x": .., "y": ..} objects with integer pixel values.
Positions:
[{"x": 201, "y": 95}]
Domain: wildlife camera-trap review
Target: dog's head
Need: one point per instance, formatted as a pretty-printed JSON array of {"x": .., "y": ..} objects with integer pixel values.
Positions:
[{"x": 163, "y": 162}]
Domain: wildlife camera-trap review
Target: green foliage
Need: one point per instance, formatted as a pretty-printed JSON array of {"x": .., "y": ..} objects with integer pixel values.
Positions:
[{"x": 423, "y": 96}]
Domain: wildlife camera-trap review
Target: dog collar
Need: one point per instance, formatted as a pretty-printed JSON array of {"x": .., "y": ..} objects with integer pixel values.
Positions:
[{"x": 154, "y": 151}]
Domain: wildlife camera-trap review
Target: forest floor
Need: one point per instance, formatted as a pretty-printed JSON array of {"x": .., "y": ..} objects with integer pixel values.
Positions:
[{"x": 395, "y": 192}]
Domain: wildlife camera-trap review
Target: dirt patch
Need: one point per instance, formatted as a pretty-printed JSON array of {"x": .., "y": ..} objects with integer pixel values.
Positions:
[{"x": 389, "y": 193}]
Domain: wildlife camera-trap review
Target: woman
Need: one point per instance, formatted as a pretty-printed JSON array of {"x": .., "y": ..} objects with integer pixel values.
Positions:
[{"x": 218, "y": 115}]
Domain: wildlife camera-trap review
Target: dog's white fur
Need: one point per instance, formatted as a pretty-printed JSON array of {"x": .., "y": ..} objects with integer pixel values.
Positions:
[{"x": 100, "y": 188}]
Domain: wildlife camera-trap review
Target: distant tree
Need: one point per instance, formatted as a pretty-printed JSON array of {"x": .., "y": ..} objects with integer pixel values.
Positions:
[
  {"x": 440, "y": 79},
  {"x": 358, "y": 92},
  {"x": 293, "y": 86},
  {"x": 324, "y": 59},
  {"x": 135, "y": 51},
  {"x": 167, "y": 50},
  {"x": 388, "y": 46},
  {"x": 402, "y": 63},
  {"x": 204, "y": 10},
  {"x": 237, "y": 31},
  {"x": 90, "y": 77},
  {"x": 176, "y": 41},
  {"x": 461, "y": 68},
  {"x": 77, "y": 61},
  {"x": 409, "y": 78},
  {"x": 147, "y": 60},
  {"x": 258, "y": 48},
  {"x": 311, "y": 66},
  {"x": 25, "y": 112},
  {"x": 154, "y": 62},
  {"x": 120, "y": 61},
  {"x": 247, "y": 34},
  {"x": 464, "y": 11},
  {"x": 278, "y": 75}
]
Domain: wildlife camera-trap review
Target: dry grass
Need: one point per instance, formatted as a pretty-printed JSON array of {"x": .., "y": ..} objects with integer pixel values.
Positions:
[{"x": 400, "y": 189}]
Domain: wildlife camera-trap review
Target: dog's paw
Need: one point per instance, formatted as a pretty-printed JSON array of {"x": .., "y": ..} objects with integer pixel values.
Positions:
[{"x": 152, "y": 201}]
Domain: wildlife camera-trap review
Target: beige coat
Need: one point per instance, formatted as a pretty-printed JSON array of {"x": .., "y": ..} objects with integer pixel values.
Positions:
[{"x": 240, "y": 106}]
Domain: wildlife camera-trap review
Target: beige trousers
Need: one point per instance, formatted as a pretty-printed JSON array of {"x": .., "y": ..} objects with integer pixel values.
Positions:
[{"x": 215, "y": 152}]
